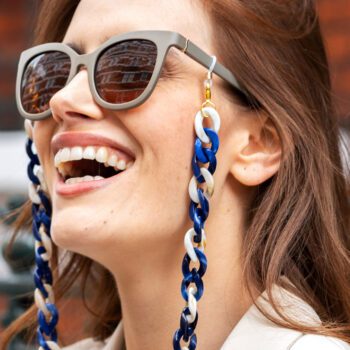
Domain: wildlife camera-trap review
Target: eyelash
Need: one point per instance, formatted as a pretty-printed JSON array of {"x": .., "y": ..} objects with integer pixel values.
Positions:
[{"x": 168, "y": 70}]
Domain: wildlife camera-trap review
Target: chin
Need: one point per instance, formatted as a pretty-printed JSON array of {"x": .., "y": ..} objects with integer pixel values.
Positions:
[{"x": 67, "y": 233}]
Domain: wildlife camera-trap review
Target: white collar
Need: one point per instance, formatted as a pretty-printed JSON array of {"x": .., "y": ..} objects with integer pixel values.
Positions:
[{"x": 267, "y": 335}]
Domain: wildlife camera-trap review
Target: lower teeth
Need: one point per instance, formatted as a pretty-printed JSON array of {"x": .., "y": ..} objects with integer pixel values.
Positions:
[{"x": 74, "y": 180}]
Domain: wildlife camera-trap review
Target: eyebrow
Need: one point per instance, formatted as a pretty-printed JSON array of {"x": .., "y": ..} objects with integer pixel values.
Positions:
[{"x": 172, "y": 55}]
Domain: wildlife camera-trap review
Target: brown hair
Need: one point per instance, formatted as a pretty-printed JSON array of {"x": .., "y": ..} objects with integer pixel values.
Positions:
[{"x": 299, "y": 220}]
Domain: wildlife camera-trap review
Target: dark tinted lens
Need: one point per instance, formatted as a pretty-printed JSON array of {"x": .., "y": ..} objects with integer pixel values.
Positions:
[
  {"x": 43, "y": 76},
  {"x": 124, "y": 70}
]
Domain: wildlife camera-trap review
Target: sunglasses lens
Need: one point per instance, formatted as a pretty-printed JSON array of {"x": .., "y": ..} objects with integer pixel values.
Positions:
[
  {"x": 124, "y": 70},
  {"x": 43, "y": 76}
]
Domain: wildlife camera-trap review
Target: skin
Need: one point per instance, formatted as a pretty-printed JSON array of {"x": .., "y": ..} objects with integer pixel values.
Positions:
[{"x": 135, "y": 227}]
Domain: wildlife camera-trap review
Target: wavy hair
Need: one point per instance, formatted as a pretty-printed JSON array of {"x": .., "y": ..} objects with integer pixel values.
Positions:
[{"x": 298, "y": 222}]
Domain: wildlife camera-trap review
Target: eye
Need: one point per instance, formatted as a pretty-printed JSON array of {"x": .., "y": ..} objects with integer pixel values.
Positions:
[{"x": 169, "y": 70}]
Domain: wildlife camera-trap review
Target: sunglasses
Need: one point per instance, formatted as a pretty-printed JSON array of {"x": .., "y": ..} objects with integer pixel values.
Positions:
[{"x": 122, "y": 72}]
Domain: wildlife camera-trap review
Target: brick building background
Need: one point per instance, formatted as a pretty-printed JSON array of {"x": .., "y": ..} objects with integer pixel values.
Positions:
[
  {"x": 335, "y": 21},
  {"x": 16, "y": 23}
]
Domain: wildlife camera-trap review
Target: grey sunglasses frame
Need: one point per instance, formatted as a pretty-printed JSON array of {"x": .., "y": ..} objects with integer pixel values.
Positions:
[{"x": 161, "y": 38}]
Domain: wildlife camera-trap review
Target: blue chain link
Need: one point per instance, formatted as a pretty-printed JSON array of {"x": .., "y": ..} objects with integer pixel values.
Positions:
[
  {"x": 42, "y": 273},
  {"x": 198, "y": 215}
]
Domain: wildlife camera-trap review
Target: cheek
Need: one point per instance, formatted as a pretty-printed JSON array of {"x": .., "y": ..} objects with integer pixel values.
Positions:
[
  {"x": 165, "y": 132},
  {"x": 167, "y": 125},
  {"x": 167, "y": 137}
]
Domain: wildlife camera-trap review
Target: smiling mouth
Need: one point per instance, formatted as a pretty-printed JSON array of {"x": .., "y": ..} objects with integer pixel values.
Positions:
[
  {"x": 85, "y": 170},
  {"x": 91, "y": 163}
]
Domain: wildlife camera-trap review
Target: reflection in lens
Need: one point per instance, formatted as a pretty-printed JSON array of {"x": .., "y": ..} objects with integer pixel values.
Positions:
[
  {"x": 44, "y": 75},
  {"x": 124, "y": 70}
]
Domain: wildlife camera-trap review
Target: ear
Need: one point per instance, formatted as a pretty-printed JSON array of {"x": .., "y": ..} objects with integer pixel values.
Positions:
[{"x": 257, "y": 150}]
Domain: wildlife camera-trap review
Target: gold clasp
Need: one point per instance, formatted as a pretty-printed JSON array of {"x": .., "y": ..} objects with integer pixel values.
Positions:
[{"x": 208, "y": 83}]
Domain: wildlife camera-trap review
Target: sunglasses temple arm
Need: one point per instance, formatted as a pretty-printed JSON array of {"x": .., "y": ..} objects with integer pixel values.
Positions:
[{"x": 205, "y": 60}]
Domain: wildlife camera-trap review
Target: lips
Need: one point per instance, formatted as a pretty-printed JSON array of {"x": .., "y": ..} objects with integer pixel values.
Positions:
[
  {"x": 71, "y": 139},
  {"x": 83, "y": 139},
  {"x": 63, "y": 189}
]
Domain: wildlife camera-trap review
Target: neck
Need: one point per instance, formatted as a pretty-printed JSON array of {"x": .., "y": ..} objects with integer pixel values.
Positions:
[{"x": 149, "y": 286}]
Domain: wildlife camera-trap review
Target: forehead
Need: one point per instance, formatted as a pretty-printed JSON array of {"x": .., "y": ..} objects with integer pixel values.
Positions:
[{"x": 96, "y": 21}]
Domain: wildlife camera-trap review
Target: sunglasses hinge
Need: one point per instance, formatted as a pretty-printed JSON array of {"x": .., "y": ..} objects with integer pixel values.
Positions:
[{"x": 186, "y": 45}]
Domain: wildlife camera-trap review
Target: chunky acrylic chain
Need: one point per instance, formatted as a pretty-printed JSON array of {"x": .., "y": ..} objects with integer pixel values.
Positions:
[
  {"x": 41, "y": 212},
  {"x": 195, "y": 239}
]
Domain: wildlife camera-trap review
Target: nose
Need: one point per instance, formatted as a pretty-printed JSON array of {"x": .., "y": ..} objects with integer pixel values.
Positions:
[{"x": 74, "y": 101}]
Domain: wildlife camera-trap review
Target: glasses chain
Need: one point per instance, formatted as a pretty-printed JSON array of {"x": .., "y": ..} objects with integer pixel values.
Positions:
[
  {"x": 41, "y": 212},
  {"x": 195, "y": 238}
]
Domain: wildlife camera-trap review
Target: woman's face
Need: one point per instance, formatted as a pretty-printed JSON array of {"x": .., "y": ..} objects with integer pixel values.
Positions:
[{"x": 148, "y": 203}]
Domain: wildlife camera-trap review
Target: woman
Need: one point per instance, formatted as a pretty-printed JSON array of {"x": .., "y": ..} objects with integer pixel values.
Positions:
[{"x": 277, "y": 233}]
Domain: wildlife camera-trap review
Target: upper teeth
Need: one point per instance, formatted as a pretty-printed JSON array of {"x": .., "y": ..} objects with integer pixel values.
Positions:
[{"x": 101, "y": 154}]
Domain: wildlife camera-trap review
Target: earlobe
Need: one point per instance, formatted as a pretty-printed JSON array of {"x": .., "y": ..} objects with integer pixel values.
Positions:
[{"x": 258, "y": 156}]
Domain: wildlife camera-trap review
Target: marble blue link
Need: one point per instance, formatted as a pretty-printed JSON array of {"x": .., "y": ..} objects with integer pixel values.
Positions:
[
  {"x": 41, "y": 340},
  {"x": 39, "y": 216},
  {"x": 177, "y": 338},
  {"x": 31, "y": 175},
  {"x": 199, "y": 149},
  {"x": 44, "y": 218},
  {"x": 195, "y": 210},
  {"x": 204, "y": 154},
  {"x": 39, "y": 284},
  {"x": 33, "y": 157},
  {"x": 214, "y": 139},
  {"x": 198, "y": 225},
  {"x": 41, "y": 250},
  {"x": 43, "y": 269},
  {"x": 199, "y": 215},
  {"x": 199, "y": 152},
  {"x": 46, "y": 203},
  {"x": 43, "y": 273},
  {"x": 193, "y": 342},
  {"x": 187, "y": 327},
  {"x": 193, "y": 278},
  {"x": 34, "y": 160},
  {"x": 53, "y": 335},
  {"x": 46, "y": 275},
  {"x": 196, "y": 216},
  {"x": 202, "y": 264},
  {"x": 212, "y": 166},
  {"x": 208, "y": 155},
  {"x": 48, "y": 327},
  {"x": 35, "y": 209},
  {"x": 204, "y": 203},
  {"x": 36, "y": 231},
  {"x": 196, "y": 170},
  {"x": 191, "y": 209},
  {"x": 41, "y": 264}
]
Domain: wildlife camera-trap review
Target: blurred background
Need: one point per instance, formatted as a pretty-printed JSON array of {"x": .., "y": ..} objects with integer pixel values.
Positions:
[{"x": 16, "y": 28}]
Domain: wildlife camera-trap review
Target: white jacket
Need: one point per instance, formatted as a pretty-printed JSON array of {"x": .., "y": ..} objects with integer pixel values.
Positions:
[{"x": 252, "y": 332}]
